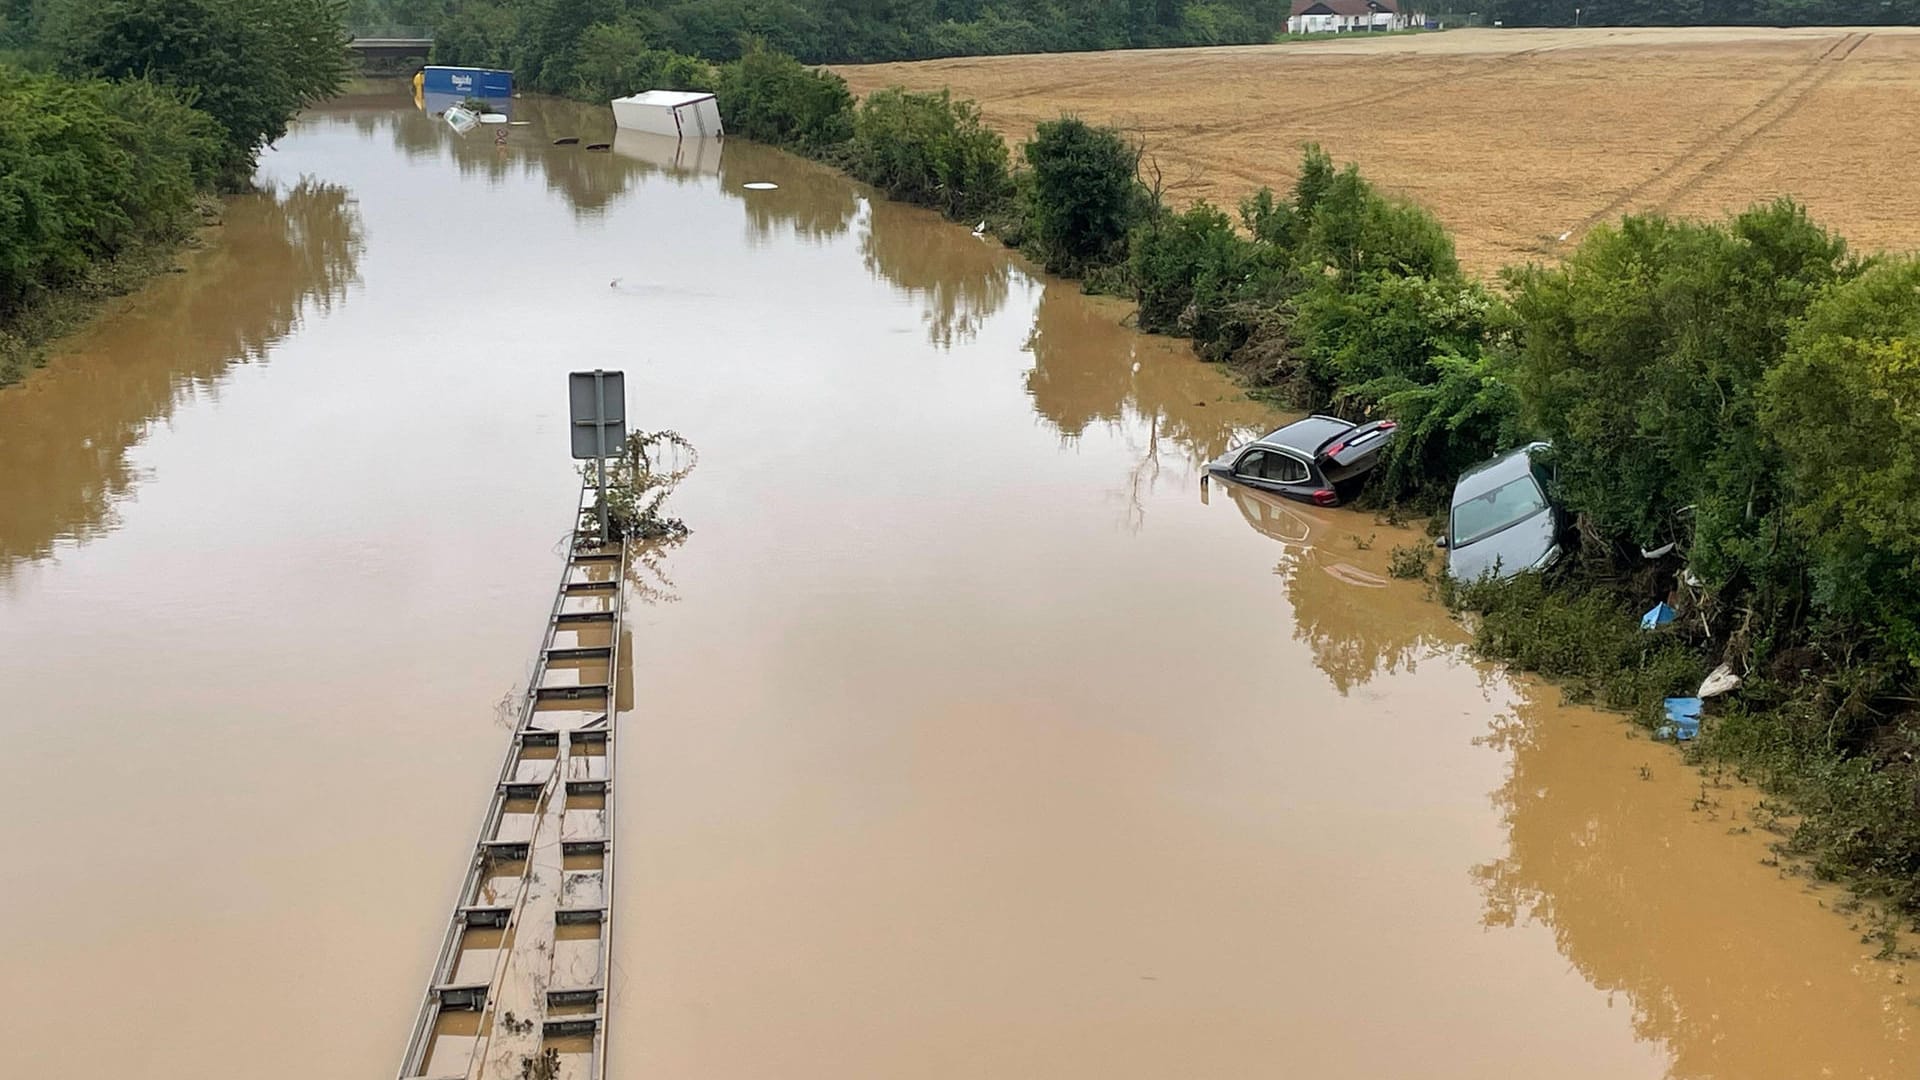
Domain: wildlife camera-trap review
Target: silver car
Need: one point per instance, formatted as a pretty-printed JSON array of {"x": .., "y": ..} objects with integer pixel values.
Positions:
[{"x": 1502, "y": 522}]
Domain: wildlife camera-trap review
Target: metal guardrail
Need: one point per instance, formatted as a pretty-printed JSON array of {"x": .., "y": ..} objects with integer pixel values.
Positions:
[{"x": 501, "y": 996}]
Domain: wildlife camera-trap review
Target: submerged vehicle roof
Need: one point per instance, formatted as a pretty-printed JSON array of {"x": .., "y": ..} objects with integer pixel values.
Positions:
[
  {"x": 1488, "y": 475},
  {"x": 1308, "y": 435}
]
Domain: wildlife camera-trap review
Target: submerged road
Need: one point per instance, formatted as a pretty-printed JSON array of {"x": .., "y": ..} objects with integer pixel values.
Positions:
[{"x": 966, "y": 737}]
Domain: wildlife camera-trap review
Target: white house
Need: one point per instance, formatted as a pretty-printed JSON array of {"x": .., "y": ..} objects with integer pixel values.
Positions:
[{"x": 1344, "y": 16}]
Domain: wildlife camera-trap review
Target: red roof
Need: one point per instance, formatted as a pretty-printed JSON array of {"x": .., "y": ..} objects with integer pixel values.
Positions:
[{"x": 1342, "y": 7}]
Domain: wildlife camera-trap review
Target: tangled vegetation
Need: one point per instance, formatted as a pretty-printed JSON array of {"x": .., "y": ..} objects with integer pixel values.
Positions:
[{"x": 648, "y": 468}]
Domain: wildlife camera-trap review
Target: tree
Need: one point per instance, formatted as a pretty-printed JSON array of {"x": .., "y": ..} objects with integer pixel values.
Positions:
[
  {"x": 932, "y": 150},
  {"x": 1086, "y": 193},
  {"x": 1641, "y": 357},
  {"x": 88, "y": 169},
  {"x": 250, "y": 64},
  {"x": 1844, "y": 408},
  {"x": 614, "y": 59},
  {"x": 774, "y": 98}
]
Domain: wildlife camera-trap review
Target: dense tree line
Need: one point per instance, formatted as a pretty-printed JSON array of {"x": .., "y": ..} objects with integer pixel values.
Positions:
[
  {"x": 540, "y": 38},
  {"x": 1703, "y": 13}
]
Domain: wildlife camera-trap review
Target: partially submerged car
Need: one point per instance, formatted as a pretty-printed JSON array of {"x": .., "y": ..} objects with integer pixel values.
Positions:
[
  {"x": 1502, "y": 522},
  {"x": 1321, "y": 460}
]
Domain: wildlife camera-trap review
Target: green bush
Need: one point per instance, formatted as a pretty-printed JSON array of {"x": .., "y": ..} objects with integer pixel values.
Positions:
[
  {"x": 1347, "y": 300},
  {"x": 88, "y": 169},
  {"x": 1843, "y": 407},
  {"x": 931, "y": 150},
  {"x": 1457, "y": 412},
  {"x": 1086, "y": 194},
  {"x": 1641, "y": 357},
  {"x": 250, "y": 64},
  {"x": 776, "y": 99},
  {"x": 1188, "y": 270}
]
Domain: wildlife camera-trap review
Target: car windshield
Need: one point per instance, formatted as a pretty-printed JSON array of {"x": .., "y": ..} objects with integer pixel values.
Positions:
[{"x": 1484, "y": 515}]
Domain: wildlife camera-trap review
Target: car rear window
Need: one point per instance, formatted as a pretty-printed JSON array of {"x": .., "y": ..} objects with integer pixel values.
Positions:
[{"x": 1483, "y": 515}]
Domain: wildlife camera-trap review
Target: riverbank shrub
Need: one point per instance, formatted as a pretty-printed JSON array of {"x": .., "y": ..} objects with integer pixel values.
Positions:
[
  {"x": 1191, "y": 271},
  {"x": 1086, "y": 194},
  {"x": 1641, "y": 356},
  {"x": 89, "y": 169},
  {"x": 931, "y": 150},
  {"x": 249, "y": 64},
  {"x": 773, "y": 98},
  {"x": 1588, "y": 637},
  {"x": 1843, "y": 407},
  {"x": 1338, "y": 297}
]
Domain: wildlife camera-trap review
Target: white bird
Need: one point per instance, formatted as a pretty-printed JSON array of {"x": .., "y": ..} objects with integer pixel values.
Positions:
[{"x": 1564, "y": 235}]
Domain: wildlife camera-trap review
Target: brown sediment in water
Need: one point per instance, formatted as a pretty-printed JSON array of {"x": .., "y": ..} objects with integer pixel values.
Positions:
[{"x": 976, "y": 742}]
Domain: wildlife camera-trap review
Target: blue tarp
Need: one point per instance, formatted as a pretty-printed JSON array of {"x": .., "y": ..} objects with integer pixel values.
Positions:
[
  {"x": 1683, "y": 719},
  {"x": 1659, "y": 615}
]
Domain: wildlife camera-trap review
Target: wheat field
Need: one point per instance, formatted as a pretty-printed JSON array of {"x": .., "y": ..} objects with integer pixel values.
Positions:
[{"x": 1520, "y": 140}]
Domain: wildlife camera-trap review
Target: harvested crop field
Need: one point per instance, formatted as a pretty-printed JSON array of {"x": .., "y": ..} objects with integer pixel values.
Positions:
[{"x": 1520, "y": 140}]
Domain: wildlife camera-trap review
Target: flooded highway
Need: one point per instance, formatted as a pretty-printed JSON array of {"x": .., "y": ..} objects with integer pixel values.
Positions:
[{"x": 966, "y": 736}]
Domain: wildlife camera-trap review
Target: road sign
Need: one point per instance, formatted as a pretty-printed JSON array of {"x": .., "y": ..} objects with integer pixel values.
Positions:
[{"x": 598, "y": 405}]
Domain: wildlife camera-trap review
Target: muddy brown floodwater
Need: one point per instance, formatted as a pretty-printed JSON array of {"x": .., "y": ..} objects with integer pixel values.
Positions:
[{"x": 968, "y": 738}]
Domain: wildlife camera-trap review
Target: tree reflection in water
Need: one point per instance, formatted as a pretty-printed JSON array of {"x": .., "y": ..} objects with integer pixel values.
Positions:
[
  {"x": 962, "y": 279},
  {"x": 67, "y": 432},
  {"x": 814, "y": 202},
  {"x": 1356, "y": 622},
  {"x": 1090, "y": 366}
]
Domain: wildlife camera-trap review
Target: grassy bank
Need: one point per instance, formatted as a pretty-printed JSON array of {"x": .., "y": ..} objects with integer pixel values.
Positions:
[{"x": 28, "y": 334}]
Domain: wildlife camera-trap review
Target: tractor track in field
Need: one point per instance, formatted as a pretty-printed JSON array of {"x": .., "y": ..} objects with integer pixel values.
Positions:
[{"x": 1701, "y": 161}]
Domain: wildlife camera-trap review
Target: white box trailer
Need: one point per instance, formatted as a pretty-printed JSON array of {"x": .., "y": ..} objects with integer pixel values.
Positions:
[{"x": 685, "y": 113}]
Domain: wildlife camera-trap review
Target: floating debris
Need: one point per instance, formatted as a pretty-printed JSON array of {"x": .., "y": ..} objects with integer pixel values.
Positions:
[
  {"x": 569, "y": 141},
  {"x": 599, "y": 146},
  {"x": 760, "y": 185}
]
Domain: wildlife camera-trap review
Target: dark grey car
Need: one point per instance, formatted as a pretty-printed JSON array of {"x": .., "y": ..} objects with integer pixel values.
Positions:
[
  {"x": 1320, "y": 460},
  {"x": 1502, "y": 522}
]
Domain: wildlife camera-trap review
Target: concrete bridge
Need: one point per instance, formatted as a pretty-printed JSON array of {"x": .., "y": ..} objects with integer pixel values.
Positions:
[{"x": 390, "y": 48}]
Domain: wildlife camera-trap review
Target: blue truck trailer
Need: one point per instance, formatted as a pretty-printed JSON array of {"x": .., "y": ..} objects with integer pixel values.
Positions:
[{"x": 487, "y": 84}]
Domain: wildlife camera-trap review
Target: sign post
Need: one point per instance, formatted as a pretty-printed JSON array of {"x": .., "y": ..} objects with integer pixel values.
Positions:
[{"x": 597, "y": 406}]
